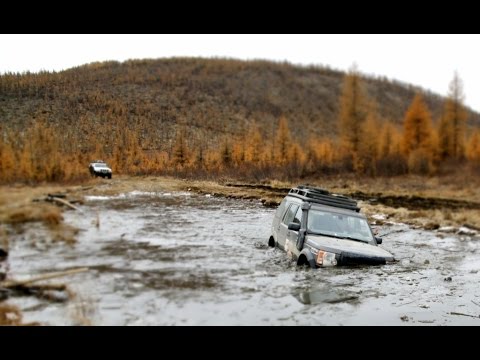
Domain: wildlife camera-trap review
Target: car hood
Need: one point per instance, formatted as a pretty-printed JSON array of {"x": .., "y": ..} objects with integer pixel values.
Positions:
[{"x": 340, "y": 246}]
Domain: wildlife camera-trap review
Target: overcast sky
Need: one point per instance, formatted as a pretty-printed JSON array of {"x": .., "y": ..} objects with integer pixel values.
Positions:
[{"x": 425, "y": 60}]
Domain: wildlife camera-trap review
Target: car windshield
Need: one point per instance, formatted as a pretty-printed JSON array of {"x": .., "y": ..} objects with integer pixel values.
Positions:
[
  {"x": 100, "y": 165},
  {"x": 338, "y": 225}
]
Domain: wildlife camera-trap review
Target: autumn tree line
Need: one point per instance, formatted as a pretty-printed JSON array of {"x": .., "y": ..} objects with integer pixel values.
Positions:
[
  {"x": 375, "y": 146},
  {"x": 367, "y": 144}
]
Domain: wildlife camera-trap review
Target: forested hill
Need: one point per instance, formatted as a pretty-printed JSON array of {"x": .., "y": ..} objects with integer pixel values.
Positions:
[{"x": 211, "y": 97}]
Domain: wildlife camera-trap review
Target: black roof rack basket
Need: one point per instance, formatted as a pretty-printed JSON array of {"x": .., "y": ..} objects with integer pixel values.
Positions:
[{"x": 324, "y": 197}]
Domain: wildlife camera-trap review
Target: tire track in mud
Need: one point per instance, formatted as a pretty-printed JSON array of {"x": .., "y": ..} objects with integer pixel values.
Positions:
[
  {"x": 411, "y": 202},
  {"x": 414, "y": 202}
]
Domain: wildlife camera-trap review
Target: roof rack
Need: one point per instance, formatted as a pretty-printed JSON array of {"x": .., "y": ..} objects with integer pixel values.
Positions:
[{"x": 324, "y": 197}]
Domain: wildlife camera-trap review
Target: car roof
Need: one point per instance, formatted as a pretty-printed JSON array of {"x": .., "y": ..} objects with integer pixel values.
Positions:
[
  {"x": 326, "y": 208},
  {"x": 316, "y": 195}
]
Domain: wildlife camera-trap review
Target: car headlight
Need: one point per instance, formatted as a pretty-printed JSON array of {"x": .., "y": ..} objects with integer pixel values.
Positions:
[{"x": 325, "y": 258}]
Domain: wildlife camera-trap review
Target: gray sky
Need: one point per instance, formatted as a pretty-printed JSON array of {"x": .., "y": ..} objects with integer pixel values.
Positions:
[{"x": 425, "y": 60}]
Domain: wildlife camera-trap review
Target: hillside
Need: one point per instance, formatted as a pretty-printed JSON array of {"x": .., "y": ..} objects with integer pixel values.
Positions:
[
  {"x": 217, "y": 117},
  {"x": 211, "y": 96}
]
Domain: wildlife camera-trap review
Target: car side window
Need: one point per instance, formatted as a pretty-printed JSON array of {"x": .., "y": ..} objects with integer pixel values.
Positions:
[
  {"x": 290, "y": 214},
  {"x": 298, "y": 216}
]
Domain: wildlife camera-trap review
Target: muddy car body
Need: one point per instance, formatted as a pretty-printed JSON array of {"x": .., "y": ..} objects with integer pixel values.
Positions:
[{"x": 318, "y": 228}]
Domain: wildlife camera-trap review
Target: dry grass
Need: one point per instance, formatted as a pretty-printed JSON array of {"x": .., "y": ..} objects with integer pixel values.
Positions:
[
  {"x": 50, "y": 215},
  {"x": 18, "y": 209},
  {"x": 47, "y": 214},
  {"x": 82, "y": 310},
  {"x": 279, "y": 184},
  {"x": 4, "y": 243},
  {"x": 64, "y": 233},
  {"x": 427, "y": 219},
  {"x": 10, "y": 315},
  {"x": 97, "y": 220},
  {"x": 17, "y": 206},
  {"x": 464, "y": 187}
]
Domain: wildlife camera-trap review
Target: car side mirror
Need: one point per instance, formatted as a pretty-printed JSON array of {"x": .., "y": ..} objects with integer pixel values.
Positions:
[
  {"x": 379, "y": 240},
  {"x": 294, "y": 226}
]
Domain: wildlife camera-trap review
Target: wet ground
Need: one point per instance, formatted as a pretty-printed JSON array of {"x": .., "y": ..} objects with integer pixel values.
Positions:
[{"x": 165, "y": 258}]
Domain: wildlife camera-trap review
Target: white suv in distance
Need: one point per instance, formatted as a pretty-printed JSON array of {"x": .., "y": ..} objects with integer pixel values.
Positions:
[{"x": 100, "y": 168}]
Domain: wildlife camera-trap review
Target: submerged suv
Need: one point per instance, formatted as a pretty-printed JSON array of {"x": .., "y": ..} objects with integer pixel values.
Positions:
[
  {"x": 318, "y": 228},
  {"x": 100, "y": 168}
]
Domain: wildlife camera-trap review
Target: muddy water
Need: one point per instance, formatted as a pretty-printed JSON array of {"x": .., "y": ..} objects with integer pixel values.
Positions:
[{"x": 186, "y": 259}]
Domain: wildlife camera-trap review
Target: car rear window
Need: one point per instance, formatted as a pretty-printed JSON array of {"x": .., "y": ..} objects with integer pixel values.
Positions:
[
  {"x": 281, "y": 208},
  {"x": 298, "y": 216},
  {"x": 290, "y": 214}
]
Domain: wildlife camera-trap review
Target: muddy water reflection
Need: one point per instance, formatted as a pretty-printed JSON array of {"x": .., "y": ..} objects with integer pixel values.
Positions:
[{"x": 187, "y": 259}]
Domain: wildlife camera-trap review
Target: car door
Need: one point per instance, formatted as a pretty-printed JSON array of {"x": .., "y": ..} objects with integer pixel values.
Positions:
[
  {"x": 283, "y": 227},
  {"x": 292, "y": 236}
]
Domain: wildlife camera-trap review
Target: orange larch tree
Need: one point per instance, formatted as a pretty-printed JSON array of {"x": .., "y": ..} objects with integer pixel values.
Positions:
[
  {"x": 473, "y": 149},
  {"x": 390, "y": 159},
  {"x": 283, "y": 141},
  {"x": 7, "y": 159},
  {"x": 451, "y": 131},
  {"x": 417, "y": 136},
  {"x": 180, "y": 150},
  {"x": 226, "y": 153},
  {"x": 254, "y": 149},
  {"x": 368, "y": 147},
  {"x": 352, "y": 114}
]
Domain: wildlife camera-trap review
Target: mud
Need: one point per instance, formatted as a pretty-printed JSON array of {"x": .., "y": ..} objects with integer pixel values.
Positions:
[
  {"x": 179, "y": 258},
  {"x": 412, "y": 202},
  {"x": 272, "y": 189}
]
